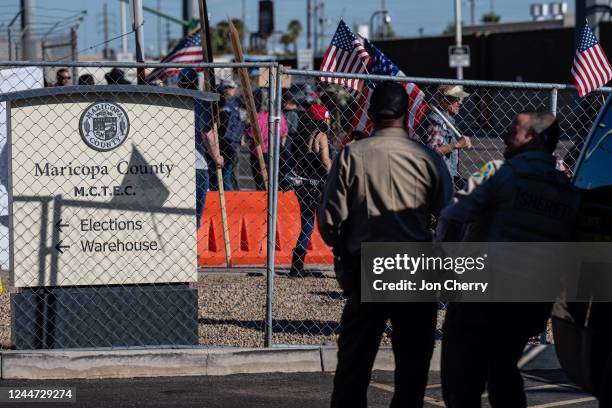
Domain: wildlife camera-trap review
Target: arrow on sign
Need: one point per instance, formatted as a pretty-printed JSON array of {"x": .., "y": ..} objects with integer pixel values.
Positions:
[
  {"x": 59, "y": 247},
  {"x": 59, "y": 225}
]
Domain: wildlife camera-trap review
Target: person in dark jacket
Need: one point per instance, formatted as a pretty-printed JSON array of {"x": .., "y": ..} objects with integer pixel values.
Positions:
[
  {"x": 86, "y": 79},
  {"x": 492, "y": 208},
  {"x": 231, "y": 130},
  {"x": 116, "y": 76}
]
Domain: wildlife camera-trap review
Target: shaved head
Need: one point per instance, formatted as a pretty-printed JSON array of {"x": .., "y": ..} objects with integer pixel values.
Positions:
[
  {"x": 532, "y": 131},
  {"x": 545, "y": 127}
]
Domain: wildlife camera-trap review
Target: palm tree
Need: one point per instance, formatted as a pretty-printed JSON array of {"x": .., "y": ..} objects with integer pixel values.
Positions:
[
  {"x": 294, "y": 29},
  {"x": 491, "y": 18},
  {"x": 221, "y": 38},
  {"x": 286, "y": 40}
]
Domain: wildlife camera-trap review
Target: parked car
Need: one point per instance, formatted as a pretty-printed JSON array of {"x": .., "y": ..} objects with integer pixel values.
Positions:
[{"x": 583, "y": 331}]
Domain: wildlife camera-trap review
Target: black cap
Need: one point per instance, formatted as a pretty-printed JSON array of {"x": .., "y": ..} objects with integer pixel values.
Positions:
[{"x": 389, "y": 101}]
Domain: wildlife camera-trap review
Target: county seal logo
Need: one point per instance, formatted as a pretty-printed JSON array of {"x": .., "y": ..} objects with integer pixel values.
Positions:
[{"x": 104, "y": 126}]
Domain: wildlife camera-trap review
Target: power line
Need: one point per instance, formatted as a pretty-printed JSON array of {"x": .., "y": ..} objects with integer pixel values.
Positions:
[{"x": 97, "y": 45}]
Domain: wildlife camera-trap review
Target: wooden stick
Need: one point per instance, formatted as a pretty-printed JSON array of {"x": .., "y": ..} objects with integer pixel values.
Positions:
[
  {"x": 204, "y": 30},
  {"x": 249, "y": 101}
]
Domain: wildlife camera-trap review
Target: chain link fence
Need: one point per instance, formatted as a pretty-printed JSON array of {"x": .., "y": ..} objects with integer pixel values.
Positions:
[
  {"x": 278, "y": 286},
  {"x": 484, "y": 117},
  {"x": 104, "y": 242}
]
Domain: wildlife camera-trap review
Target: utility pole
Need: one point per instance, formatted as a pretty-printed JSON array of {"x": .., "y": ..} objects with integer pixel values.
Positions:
[
  {"x": 105, "y": 53},
  {"x": 383, "y": 26},
  {"x": 10, "y": 30},
  {"x": 316, "y": 31},
  {"x": 29, "y": 48},
  {"x": 159, "y": 30},
  {"x": 167, "y": 36},
  {"x": 190, "y": 13},
  {"x": 186, "y": 16},
  {"x": 581, "y": 17},
  {"x": 137, "y": 22},
  {"x": 124, "y": 39},
  {"x": 308, "y": 23},
  {"x": 10, "y": 45},
  {"x": 244, "y": 16},
  {"x": 472, "y": 12},
  {"x": 458, "y": 33},
  {"x": 322, "y": 20},
  {"x": 73, "y": 52}
]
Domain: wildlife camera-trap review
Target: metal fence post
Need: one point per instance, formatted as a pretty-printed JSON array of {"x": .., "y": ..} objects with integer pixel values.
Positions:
[
  {"x": 273, "y": 151},
  {"x": 553, "y": 101},
  {"x": 275, "y": 167}
]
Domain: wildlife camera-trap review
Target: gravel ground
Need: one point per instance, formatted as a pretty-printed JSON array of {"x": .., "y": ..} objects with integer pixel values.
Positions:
[
  {"x": 305, "y": 310},
  {"x": 5, "y": 313}
]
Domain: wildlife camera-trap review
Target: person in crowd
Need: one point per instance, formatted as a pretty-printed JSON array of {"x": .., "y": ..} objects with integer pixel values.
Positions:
[
  {"x": 116, "y": 76},
  {"x": 262, "y": 119},
  {"x": 86, "y": 79},
  {"x": 204, "y": 140},
  {"x": 440, "y": 135},
  {"x": 231, "y": 130},
  {"x": 489, "y": 209},
  {"x": 372, "y": 195},
  {"x": 310, "y": 150},
  {"x": 63, "y": 77},
  {"x": 294, "y": 115}
]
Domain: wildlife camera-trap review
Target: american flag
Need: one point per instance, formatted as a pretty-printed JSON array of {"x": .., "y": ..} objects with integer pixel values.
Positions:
[
  {"x": 345, "y": 54},
  {"x": 591, "y": 69},
  {"x": 187, "y": 51},
  {"x": 382, "y": 65}
]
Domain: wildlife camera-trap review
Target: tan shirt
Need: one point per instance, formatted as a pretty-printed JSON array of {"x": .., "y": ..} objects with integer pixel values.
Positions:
[{"x": 383, "y": 189}]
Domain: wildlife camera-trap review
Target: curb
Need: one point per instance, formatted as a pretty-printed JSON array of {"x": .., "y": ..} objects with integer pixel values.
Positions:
[{"x": 130, "y": 363}]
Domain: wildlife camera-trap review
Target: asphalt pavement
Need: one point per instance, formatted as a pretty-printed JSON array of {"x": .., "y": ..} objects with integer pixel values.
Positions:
[{"x": 545, "y": 389}]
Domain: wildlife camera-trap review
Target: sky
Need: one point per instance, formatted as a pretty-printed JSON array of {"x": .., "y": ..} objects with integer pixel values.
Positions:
[{"x": 407, "y": 16}]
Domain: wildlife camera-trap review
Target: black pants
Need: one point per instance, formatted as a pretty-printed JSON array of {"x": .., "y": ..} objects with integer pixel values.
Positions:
[
  {"x": 257, "y": 175},
  {"x": 230, "y": 154},
  {"x": 605, "y": 393},
  {"x": 473, "y": 360},
  {"x": 361, "y": 329}
]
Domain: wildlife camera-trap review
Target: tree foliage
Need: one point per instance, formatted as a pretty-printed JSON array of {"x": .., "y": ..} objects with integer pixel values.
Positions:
[
  {"x": 294, "y": 29},
  {"x": 491, "y": 18},
  {"x": 220, "y": 36},
  {"x": 450, "y": 29}
]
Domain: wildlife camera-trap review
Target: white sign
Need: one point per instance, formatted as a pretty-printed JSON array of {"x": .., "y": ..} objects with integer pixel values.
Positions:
[
  {"x": 116, "y": 210},
  {"x": 305, "y": 59},
  {"x": 459, "y": 56}
]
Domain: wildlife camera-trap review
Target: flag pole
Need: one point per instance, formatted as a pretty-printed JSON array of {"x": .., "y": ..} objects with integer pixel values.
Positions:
[
  {"x": 209, "y": 80},
  {"x": 249, "y": 101}
]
